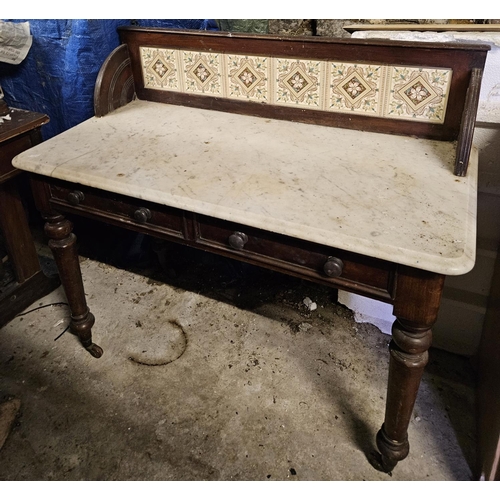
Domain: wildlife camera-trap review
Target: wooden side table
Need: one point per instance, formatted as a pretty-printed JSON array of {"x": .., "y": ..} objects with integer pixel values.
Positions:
[{"x": 19, "y": 133}]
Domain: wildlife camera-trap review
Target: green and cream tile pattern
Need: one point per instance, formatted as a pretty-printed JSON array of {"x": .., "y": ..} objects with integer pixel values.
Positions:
[{"x": 398, "y": 92}]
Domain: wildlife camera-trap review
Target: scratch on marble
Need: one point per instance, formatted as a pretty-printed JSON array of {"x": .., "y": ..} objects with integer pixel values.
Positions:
[{"x": 72, "y": 159}]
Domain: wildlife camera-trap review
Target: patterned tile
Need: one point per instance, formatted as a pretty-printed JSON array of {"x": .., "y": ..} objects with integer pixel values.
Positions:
[
  {"x": 397, "y": 92},
  {"x": 419, "y": 94},
  {"x": 248, "y": 78},
  {"x": 355, "y": 88},
  {"x": 160, "y": 68},
  {"x": 298, "y": 83},
  {"x": 201, "y": 72}
]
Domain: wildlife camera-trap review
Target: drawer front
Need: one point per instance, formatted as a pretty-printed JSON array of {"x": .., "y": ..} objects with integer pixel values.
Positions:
[
  {"x": 317, "y": 262},
  {"x": 118, "y": 209}
]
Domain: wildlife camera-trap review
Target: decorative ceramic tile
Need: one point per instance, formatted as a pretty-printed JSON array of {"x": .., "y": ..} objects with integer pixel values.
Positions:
[
  {"x": 355, "y": 88},
  {"x": 201, "y": 71},
  {"x": 405, "y": 93},
  {"x": 248, "y": 77},
  {"x": 160, "y": 68},
  {"x": 418, "y": 93},
  {"x": 298, "y": 83}
]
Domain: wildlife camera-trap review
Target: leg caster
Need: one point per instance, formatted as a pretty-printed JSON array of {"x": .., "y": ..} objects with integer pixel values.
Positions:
[
  {"x": 391, "y": 452},
  {"x": 82, "y": 326},
  {"x": 95, "y": 350}
]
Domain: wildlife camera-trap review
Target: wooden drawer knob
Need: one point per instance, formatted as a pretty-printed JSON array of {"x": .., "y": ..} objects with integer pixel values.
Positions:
[
  {"x": 75, "y": 197},
  {"x": 238, "y": 240},
  {"x": 142, "y": 214},
  {"x": 333, "y": 267}
]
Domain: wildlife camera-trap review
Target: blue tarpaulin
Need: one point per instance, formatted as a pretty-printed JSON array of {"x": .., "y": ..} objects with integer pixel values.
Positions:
[{"x": 59, "y": 73}]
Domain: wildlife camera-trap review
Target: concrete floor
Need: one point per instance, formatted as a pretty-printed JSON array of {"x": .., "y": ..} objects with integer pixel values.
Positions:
[{"x": 217, "y": 371}]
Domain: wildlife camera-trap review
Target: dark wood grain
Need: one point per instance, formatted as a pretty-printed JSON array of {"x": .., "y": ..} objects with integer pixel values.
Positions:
[
  {"x": 17, "y": 235},
  {"x": 361, "y": 274},
  {"x": 23, "y": 131},
  {"x": 8, "y": 150},
  {"x": 114, "y": 85},
  {"x": 16, "y": 297},
  {"x": 119, "y": 210},
  {"x": 464, "y": 145},
  {"x": 21, "y": 122}
]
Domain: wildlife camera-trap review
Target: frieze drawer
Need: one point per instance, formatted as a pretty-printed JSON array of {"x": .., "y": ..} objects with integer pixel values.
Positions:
[
  {"x": 118, "y": 209},
  {"x": 316, "y": 262}
]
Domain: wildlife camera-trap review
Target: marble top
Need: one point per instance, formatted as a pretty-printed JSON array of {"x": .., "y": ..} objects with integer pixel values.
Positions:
[{"x": 386, "y": 196}]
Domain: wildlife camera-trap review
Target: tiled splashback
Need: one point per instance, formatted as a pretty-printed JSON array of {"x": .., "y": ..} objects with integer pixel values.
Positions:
[{"x": 401, "y": 92}]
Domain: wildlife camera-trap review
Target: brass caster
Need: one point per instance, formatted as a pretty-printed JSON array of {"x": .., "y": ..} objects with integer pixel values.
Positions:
[
  {"x": 95, "y": 350},
  {"x": 381, "y": 463}
]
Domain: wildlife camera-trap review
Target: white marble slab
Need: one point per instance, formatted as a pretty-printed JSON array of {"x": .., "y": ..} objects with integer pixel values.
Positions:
[{"x": 390, "y": 197}]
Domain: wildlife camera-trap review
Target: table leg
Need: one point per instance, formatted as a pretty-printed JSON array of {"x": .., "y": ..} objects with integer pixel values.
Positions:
[
  {"x": 416, "y": 308},
  {"x": 408, "y": 357},
  {"x": 63, "y": 245}
]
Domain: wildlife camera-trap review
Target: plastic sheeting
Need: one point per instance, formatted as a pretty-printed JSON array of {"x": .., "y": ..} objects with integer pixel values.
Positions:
[{"x": 58, "y": 75}]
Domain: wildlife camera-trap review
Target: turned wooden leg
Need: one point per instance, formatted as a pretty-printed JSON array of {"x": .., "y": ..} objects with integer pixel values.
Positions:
[
  {"x": 63, "y": 245},
  {"x": 408, "y": 357},
  {"x": 416, "y": 306}
]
